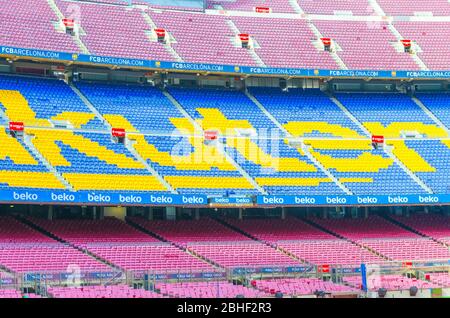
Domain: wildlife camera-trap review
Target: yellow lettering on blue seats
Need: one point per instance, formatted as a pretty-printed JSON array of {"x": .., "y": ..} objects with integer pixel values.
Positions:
[
  {"x": 394, "y": 130},
  {"x": 45, "y": 142},
  {"x": 118, "y": 121},
  {"x": 81, "y": 181},
  {"x": 11, "y": 148},
  {"x": 293, "y": 182},
  {"x": 18, "y": 109},
  {"x": 203, "y": 182},
  {"x": 299, "y": 129},
  {"x": 30, "y": 179},
  {"x": 409, "y": 157},
  {"x": 77, "y": 119},
  {"x": 366, "y": 162}
]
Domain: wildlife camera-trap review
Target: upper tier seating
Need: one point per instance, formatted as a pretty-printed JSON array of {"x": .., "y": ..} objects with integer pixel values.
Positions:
[
  {"x": 387, "y": 239},
  {"x": 115, "y": 31},
  {"x": 277, "y": 6},
  {"x": 24, "y": 250},
  {"x": 125, "y": 247},
  {"x": 432, "y": 39},
  {"x": 353, "y": 7},
  {"x": 215, "y": 242},
  {"x": 293, "y": 37},
  {"x": 185, "y": 28},
  {"x": 365, "y": 46},
  {"x": 432, "y": 225},
  {"x": 31, "y": 24},
  {"x": 406, "y": 8},
  {"x": 111, "y": 28},
  {"x": 307, "y": 242}
]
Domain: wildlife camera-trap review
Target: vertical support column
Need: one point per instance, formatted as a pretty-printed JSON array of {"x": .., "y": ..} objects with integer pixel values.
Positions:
[
  {"x": 171, "y": 213},
  {"x": 197, "y": 214},
  {"x": 283, "y": 213},
  {"x": 94, "y": 213},
  {"x": 150, "y": 214},
  {"x": 407, "y": 211},
  {"x": 50, "y": 213},
  {"x": 325, "y": 213},
  {"x": 308, "y": 211},
  {"x": 241, "y": 214},
  {"x": 366, "y": 212}
]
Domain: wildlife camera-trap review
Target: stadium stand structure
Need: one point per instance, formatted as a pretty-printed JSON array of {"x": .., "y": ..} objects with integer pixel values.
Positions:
[
  {"x": 195, "y": 129},
  {"x": 375, "y": 46},
  {"x": 431, "y": 225},
  {"x": 119, "y": 244},
  {"x": 208, "y": 290},
  {"x": 166, "y": 131},
  {"x": 300, "y": 286},
  {"x": 306, "y": 242},
  {"x": 222, "y": 246},
  {"x": 387, "y": 239},
  {"x": 24, "y": 250},
  {"x": 115, "y": 291}
]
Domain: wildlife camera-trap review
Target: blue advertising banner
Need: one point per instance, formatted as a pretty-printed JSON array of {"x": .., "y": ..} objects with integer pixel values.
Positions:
[
  {"x": 366, "y": 200},
  {"x": 167, "y": 199},
  {"x": 364, "y": 277},
  {"x": 102, "y": 198},
  {"x": 269, "y": 270},
  {"x": 217, "y": 68},
  {"x": 36, "y": 277},
  {"x": 6, "y": 281},
  {"x": 231, "y": 201},
  {"x": 179, "y": 276}
]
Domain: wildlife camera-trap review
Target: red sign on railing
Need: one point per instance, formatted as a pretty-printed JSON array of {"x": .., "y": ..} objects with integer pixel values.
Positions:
[
  {"x": 262, "y": 9},
  {"x": 69, "y": 23},
  {"x": 323, "y": 268},
  {"x": 210, "y": 135},
  {"x": 161, "y": 33},
  {"x": 118, "y": 132},
  {"x": 378, "y": 139},
  {"x": 16, "y": 126},
  {"x": 244, "y": 37},
  {"x": 407, "y": 264},
  {"x": 406, "y": 43},
  {"x": 326, "y": 41}
]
